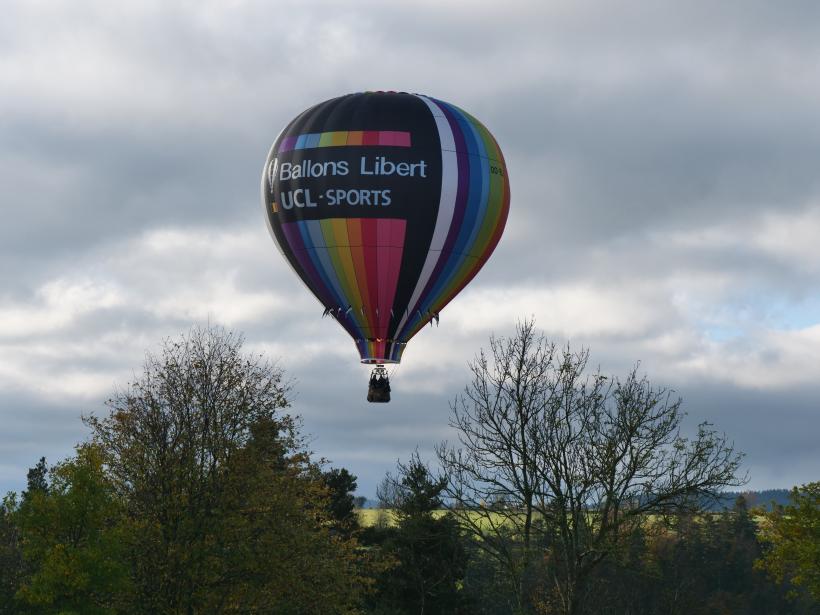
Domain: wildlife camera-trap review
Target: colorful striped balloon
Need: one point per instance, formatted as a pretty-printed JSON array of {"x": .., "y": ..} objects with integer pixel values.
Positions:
[{"x": 386, "y": 205}]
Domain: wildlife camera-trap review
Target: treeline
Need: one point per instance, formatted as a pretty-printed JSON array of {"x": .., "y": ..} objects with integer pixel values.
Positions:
[
  {"x": 565, "y": 493},
  {"x": 685, "y": 563}
]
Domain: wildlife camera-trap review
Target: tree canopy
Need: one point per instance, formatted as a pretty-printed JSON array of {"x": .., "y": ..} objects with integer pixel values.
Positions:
[
  {"x": 792, "y": 534},
  {"x": 195, "y": 494}
]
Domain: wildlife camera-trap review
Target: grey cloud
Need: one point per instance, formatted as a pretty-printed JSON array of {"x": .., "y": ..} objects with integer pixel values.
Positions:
[
  {"x": 33, "y": 428},
  {"x": 623, "y": 124},
  {"x": 777, "y": 455}
]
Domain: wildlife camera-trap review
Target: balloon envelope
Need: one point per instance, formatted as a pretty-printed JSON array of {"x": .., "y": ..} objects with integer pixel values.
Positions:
[{"x": 386, "y": 205}]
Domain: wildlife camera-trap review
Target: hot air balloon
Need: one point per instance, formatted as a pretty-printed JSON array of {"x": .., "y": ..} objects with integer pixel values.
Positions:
[{"x": 385, "y": 204}]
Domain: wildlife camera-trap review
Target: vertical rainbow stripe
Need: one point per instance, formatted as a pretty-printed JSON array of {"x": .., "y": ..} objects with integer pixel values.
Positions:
[
  {"x": 475, "y": 203},
  {"x": 354, "y": 264}
]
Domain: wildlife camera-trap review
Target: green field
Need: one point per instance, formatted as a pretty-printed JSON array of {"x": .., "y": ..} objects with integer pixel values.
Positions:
[{"x": 371, "y": 517}]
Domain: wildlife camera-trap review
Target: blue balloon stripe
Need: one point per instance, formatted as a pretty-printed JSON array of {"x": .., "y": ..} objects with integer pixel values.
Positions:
[
  {"x": 312, "y": 236},
  {"x": 312, "y": 232},
  {"x": 476, "y": 167},
  {"x": 301, "y": 246}
]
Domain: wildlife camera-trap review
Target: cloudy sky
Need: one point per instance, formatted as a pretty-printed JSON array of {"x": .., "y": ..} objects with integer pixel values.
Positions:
[{"x": 665, "y": 167}]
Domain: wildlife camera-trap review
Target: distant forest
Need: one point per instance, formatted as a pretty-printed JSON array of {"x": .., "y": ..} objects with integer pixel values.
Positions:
[{"x": 766, "y": 499}]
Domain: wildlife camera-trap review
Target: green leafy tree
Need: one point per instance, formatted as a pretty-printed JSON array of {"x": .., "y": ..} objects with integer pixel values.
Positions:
[
  {"x": 690, "y": 564},
  {"x": 12, "y": 566},
  {"x": 37, "y": 479},
  {"x": 427, "y": 547},
  {"x": 11, "y": 556},
  {"x": 226, "y": 511},
  {"x": 341, "y": 486},
  {"x": 792, "y": 534},
  {"x": 72, "y": 541},
  {"x": 278, "y": 549},
  {"x": 701, "y": 564}
]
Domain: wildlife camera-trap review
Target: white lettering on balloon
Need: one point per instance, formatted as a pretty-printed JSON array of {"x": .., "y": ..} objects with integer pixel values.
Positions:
[{"x": 369, "y": 166}]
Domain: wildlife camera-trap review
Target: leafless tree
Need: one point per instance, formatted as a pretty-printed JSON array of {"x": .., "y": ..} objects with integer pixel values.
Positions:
[{"x": 556, "y": 467}]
